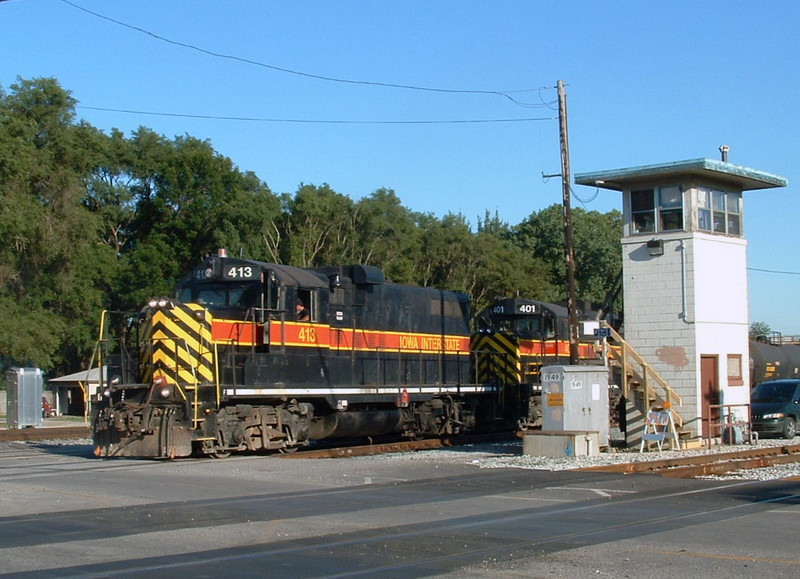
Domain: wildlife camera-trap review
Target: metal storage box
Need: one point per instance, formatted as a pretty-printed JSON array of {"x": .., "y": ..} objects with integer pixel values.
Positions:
[
  {"x": 24, "y": 397},
  {"x": 575, "y": 398}
]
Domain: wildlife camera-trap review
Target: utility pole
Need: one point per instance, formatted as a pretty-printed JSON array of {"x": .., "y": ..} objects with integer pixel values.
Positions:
[{"x": 568, "y": 245}]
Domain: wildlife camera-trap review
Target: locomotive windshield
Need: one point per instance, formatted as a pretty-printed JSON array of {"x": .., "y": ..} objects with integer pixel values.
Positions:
[
  {"x": 527, "y": 327},
  {"x": 241, "y": 296}
]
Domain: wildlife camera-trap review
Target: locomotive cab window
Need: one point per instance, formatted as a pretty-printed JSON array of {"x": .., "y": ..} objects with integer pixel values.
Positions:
[
  {"x": 306, "y": 306},
  {"x": 536, "y": 327},
  {"x": 539, "y": 327},
  {"x": 229, "y": 296}
]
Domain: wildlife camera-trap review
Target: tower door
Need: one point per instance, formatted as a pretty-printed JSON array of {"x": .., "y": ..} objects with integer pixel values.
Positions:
[{"x": 709, "y": 392}]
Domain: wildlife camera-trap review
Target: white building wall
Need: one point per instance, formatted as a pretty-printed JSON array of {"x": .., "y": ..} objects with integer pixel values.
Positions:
[{"x": 722, "y": 317}]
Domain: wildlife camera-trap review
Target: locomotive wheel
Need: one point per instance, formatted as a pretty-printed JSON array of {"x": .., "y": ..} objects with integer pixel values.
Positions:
[{"x": 220, "y": 454}]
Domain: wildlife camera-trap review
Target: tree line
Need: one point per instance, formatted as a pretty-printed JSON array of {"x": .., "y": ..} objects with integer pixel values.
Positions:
[{"x": 91, "y": 221}]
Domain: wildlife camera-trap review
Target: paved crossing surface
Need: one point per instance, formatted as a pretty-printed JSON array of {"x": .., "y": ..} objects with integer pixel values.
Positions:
[{"x": 65, "y": 513}]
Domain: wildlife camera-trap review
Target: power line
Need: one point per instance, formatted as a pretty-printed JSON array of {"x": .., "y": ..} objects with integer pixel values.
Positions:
[
  {"x": 505, "y": 94},
  {"x": 312, "y": 121},
  {"x": 773, "y": 271}
]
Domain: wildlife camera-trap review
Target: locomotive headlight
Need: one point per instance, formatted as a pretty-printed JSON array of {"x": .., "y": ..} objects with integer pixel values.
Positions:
[
  {"x": 773, "y": 415},
  {"x": 165, "y": 391},
  {"x": 160, "y": 303}
]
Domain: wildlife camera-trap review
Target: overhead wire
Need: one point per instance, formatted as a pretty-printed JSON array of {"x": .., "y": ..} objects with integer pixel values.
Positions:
[
  {"x": 773, "y": 271},
  {"x": 505, "y": 94},
  {"x": 313, "y": 121},
  {"x": 588, "y": 200}
]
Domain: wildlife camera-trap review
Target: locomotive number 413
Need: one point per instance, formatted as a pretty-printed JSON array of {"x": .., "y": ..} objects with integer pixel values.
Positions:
[
  {"x": 240, "y": 272},
  {"x": 308, "y": 335}
]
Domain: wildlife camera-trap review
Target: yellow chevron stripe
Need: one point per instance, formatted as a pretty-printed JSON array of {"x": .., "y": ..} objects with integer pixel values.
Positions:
[
  {"x": 498, "y": 358},
  {"x": 177, "y": 345},
  {"x": 176, "y": 359}
]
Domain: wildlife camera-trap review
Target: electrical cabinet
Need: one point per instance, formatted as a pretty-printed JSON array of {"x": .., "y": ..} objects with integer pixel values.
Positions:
[
  {"x": 575, "y": 398},
  {"x": 24, "y": 397}
]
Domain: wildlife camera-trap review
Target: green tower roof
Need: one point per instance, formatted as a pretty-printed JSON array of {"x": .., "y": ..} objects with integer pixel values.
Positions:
[{"x": 706, "y": 170}]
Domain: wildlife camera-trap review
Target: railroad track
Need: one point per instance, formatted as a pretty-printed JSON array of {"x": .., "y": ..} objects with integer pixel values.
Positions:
[
  {"x": 399, "y": 446},
  {"x": 681, "y": 467},
  {"x": 709, "y": 464},
  {"x": 50, "y": 433}
]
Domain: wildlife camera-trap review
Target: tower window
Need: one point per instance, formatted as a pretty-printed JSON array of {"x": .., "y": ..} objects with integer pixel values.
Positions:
[
  {"x": 670, "y": 208},
  {"x": 656, "y": 209},
  {"x": 719, "y": 212},
  {"x": 643, "y": 211}
]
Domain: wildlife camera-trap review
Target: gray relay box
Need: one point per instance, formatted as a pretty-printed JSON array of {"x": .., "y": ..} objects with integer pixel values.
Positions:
[
  {"x": 575, "y": 398},
  {"x": 24, "y": 397}
]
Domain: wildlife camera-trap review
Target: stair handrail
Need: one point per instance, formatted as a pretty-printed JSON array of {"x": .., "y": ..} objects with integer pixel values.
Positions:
[{"x": 647, "y": 371}]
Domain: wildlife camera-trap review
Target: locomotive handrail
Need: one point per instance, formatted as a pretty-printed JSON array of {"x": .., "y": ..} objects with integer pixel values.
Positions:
[
  {"x": 195, "y": 386},
  {"x": 100, "y": 340}
]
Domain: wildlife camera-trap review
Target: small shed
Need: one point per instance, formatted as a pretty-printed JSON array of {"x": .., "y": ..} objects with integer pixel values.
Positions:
[{"x": 73, "y": 392}]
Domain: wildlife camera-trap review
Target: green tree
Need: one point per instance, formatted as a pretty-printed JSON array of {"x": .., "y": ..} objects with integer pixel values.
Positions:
[
  {"x": 319, "y": 227},
  {"x": 504, "y": 270},
  {"x": 166, "y": 203},
  {"x": 53, "y": 274},
  {"x": 249, "y": 221},
  {"x": 483, "y": 265},
  {"x": 760, "y": 331},
  {"x": 596, "y": 242},
  {"x": 387, "y": 235},
  {"x": 447, "y": 254},
  {"x": 109, "y": 192}
]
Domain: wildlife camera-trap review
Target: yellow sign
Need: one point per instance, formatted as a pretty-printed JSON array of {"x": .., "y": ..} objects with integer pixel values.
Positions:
[{"x": 555, "y": 399}]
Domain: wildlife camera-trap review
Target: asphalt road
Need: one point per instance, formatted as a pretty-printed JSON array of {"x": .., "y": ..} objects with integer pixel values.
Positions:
[{"x": 64, "y": 513}]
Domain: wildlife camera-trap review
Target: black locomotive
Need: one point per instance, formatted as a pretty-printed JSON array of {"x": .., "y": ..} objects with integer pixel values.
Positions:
[
  {"x": 258, "y": 356},
  {"x": 525, "y": 335},
  {"x": 515, "y": 338}
]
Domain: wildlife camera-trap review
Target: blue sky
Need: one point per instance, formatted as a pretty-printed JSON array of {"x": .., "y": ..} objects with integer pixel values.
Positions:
[{"x": 647, "y": 82}]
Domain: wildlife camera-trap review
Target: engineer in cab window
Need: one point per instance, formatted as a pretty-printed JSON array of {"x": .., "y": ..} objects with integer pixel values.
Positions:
[{"x": 302, "y": 312}]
